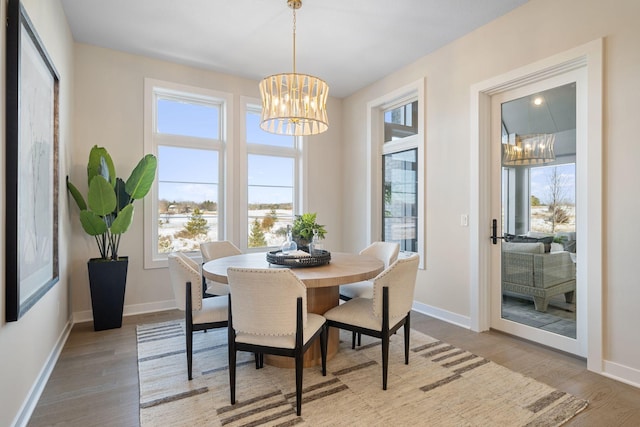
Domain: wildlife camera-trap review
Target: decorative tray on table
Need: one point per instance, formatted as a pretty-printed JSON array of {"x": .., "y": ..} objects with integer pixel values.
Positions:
[{"x": 299, "y": 258}]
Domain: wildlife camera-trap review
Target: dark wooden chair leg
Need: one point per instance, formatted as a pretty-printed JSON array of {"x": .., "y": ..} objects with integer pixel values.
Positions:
[
  {"x": 189, "y": 338},
  {"x": 231, "y": 338},
  {"x": 299, "y": 383},
  {"x": 353, "y": 340},
  {"x": 298, "y": 356},
  {"x": 385, "y": 360},
  {"x": 188, "y": 325},
  {"x": 232, "y": 373},
  {"x": 407, "y": 329},
  {"x": 359, "y": 339},
  {"x": 385, "y": 336}
]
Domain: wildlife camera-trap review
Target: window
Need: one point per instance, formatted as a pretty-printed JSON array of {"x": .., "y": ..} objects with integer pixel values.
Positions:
[
  {"x": 396, "y": 151},
  {"x": 272, "y": 165},
  {"x": 400, "y": 221},
  {"x": 553, "y": 198},
  {"x": 188, "y": 198},
  {"x": 401, "y": 122},
  {"x": 185, "y": 129}
]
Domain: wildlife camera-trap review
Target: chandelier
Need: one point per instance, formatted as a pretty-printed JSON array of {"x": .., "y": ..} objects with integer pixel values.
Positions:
[
  {"x": 535, "y": 149},
  {"x": 292, "y": 103}
]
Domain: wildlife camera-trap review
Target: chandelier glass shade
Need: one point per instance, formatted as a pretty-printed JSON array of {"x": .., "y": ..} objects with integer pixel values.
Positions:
[
  {"x": 292, "y": 103},
  {"x": 535, "y": 149}
]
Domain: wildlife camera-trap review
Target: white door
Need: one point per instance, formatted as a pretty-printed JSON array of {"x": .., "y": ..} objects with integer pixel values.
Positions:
[{"x": 536, "y": 149}]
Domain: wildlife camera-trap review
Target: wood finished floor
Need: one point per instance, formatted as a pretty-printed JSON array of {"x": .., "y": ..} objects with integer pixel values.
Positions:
[{"x": 95, "y": 381}]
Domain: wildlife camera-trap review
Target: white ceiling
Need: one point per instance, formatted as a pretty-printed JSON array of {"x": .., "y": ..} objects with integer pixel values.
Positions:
[
  {"x": 555, "y": 113},
  {"x": 348, "y": 43}
]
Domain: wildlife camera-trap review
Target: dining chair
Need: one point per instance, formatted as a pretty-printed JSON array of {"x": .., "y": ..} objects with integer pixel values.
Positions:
[
  {"x": 385, "y": 313},
  {"x": 268, "y": 315},
  {"x": 386, "y": 252},
  {"x": 211, "y": 251},
  {"x": 200, "y": 313}
]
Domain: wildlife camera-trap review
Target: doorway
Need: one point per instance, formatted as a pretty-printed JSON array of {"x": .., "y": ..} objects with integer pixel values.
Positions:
[
  {"x": 485, "y": 257},
  {"x": 533, "y": 168}
]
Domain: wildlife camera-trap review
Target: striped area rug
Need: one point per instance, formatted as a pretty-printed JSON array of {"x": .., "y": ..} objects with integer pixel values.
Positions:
[{"x": 442, "y": 386}]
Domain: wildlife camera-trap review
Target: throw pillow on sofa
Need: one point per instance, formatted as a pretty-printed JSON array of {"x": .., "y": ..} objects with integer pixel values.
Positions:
[
  {"x": 528, "y": 239},
  {"x": 523, "y": 247}
]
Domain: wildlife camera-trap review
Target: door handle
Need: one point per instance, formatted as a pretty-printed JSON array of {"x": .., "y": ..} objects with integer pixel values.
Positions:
[{"x": 494, "y": 232}]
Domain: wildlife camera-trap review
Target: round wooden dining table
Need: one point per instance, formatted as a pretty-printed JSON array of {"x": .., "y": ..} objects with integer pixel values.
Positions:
[{"x": 322, "y": 284}]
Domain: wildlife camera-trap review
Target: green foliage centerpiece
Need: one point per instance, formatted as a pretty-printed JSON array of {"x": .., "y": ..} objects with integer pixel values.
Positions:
[
  {"x": 303, "y": 228},
  {"x": 106, "y": 214}
]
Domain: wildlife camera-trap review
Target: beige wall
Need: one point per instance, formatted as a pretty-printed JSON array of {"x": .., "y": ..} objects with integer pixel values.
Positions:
[
  {"x": 28, "y": 345},
  {"x": 537, "y": 30},
  {"x": 109, "y": 112}
]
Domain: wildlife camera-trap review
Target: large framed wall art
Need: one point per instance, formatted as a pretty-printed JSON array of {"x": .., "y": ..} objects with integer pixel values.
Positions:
[{"x": 32, "y": 265}]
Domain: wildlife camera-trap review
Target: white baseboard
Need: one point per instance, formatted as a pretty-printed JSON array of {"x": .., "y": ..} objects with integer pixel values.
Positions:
[
  {"x": 622, "y": 373},
  {"x": 129, "y": 310},
  {"x": 23, "y": 416},
  {"x": 444, "y": 315}
]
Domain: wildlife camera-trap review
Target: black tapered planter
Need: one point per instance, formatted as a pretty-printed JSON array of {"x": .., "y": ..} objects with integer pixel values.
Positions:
[{"x": 107, "y": 280}]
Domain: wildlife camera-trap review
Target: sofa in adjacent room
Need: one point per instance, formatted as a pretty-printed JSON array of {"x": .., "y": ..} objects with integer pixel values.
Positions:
[{"x": 528, "y": 270}]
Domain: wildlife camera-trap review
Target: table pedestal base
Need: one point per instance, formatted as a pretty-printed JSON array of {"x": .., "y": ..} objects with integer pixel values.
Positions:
[{"x": 319, "y": 301}]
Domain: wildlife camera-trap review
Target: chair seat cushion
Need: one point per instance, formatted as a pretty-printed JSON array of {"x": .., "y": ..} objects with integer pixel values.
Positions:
[
  {"x": 314, "y": 323},
  {"x": 217, "y": 288},
  {"x": 359, "y": 312},
  {"x": 362, "y": 289},
  {"x": 214, "y": 309}
]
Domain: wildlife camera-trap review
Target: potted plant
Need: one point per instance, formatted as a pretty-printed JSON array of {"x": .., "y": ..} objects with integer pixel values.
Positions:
[
  {"x": 303, "y": 228},
  {"x": 106, "y": 214}
]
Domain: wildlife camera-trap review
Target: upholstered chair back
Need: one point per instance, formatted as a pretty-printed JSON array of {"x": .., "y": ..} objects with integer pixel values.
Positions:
[
  {"x": 182, "y": 270},
  {"x": 215, "y": 250},
  {"x": 386, "y": 252},
  {"x": 263, "y": 301},
  {"x": 400, "y": 278}
]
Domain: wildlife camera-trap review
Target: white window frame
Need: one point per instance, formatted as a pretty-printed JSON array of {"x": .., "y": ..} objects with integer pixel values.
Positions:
[
  {"x": 245, "y": 148},
  {"x": 152, "y": 139},
  {"x": 376, "y": 148}
]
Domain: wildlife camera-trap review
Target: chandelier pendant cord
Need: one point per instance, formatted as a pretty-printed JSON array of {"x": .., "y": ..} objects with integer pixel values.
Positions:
[{"x": 294, "y": 40}]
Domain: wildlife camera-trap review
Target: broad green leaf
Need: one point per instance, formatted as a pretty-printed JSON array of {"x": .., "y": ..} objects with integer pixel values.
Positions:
[
  {"x": 100, "y": 163},
  {"x": 92, "y": 224},
  {"x": 102, "y": 198},
  {"x": 142, "y": 177},
  {"x": 123, "y": 220},
  {"x": 123, "y": 197},
  {"x": 76, "y": 195}
]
